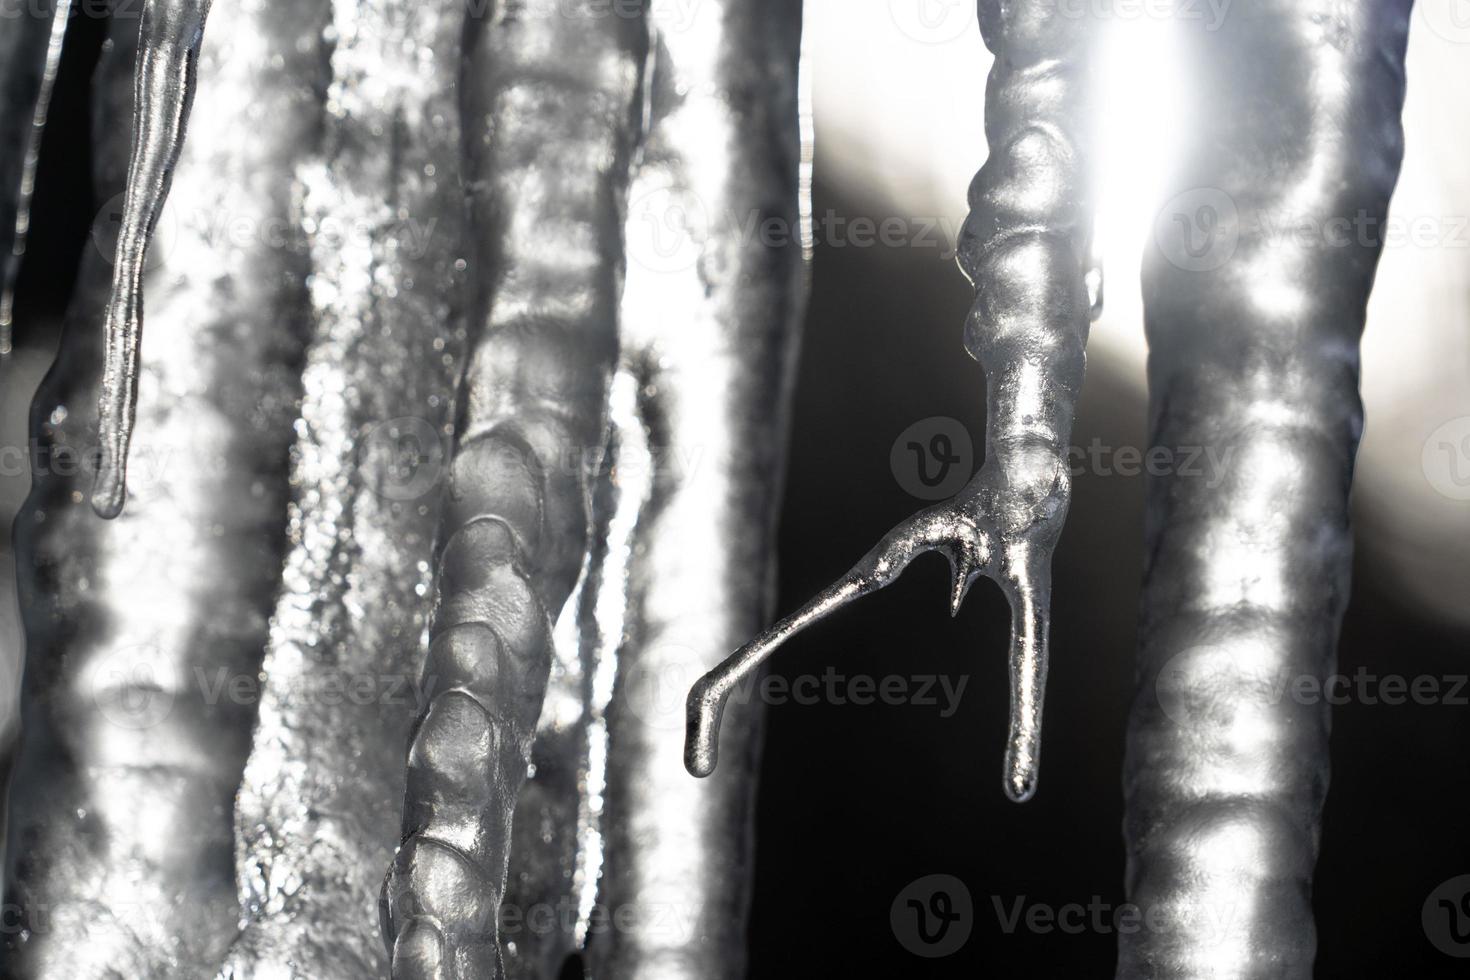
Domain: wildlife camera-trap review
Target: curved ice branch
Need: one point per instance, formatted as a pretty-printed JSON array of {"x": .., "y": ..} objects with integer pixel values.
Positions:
[
  {"x": 945, "y": 528},
  {"x": 1026, "y": 248},
  {"x": 168, "y": 49},
  {"x": 1253, "y": 355}
]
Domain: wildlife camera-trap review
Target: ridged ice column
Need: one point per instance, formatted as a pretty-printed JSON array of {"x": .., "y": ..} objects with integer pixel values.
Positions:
[
  {"x": 553, "y": 106},
  {"x": 1254, "y": 305}
]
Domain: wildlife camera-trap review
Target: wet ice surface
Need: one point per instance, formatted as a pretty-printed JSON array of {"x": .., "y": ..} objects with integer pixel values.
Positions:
[{"x": 319, "y": 808}]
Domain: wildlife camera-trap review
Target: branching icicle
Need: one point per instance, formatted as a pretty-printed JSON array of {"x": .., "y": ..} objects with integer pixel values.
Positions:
[
  {"x": 168, "y": 50},
  {"x": 1025, "y": 247}
]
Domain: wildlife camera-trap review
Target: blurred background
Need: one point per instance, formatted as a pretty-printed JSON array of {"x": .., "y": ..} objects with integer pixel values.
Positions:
[{"x": 859, "y": 801}]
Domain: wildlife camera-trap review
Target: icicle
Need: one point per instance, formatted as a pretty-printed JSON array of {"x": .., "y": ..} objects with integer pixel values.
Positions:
[
  {"x": 1026, "y": 248},
  {"x": 550, "y": 85},
  {"x": 708, "y": 337},
  {"x": 1253, "y": 355},
  {"x": 41, "y": 33},
  {"x": 386, "y": 329},
  {"x": 168, "y": 49},
  {"x": 139, "y": 631}
]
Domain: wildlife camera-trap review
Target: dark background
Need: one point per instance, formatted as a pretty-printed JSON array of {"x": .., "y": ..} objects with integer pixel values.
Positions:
[{"x": 857, "y": 802}]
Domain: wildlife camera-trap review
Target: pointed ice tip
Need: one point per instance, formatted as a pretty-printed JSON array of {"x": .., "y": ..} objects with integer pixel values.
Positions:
[
  {"x": 108, "y": 494},
  {"x": 960, "y": 581}
]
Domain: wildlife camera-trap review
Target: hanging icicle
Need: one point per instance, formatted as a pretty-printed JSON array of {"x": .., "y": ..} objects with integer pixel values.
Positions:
[
  {"x": 1253, "y": 354},
  {"x": 141, "y": 631},
  {"x": 708, "y": 349},
  {"x": 1026, "y": 248},
  {"x": 163, "y": 826},
  {"x": 168, "y": 51},
  {"x": 552, "y": 115},
  {"x": 319, "y": 807}
]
